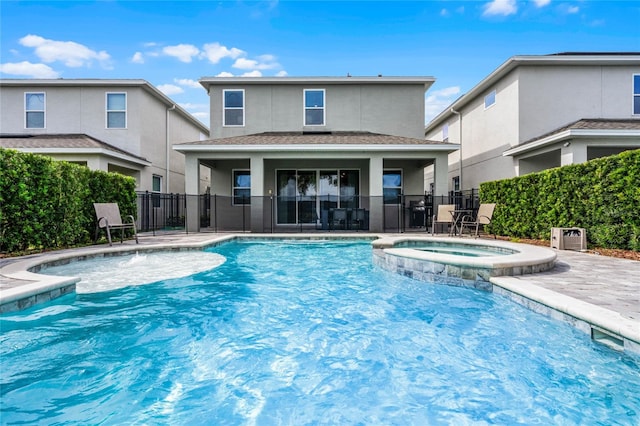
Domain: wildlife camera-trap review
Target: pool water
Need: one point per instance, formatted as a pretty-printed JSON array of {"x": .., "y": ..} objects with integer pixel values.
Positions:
[{"x": 305, "y": 333}]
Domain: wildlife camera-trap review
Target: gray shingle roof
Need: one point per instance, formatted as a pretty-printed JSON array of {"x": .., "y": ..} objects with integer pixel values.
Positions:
[
  {"x": 60, "y": 141},
  {"x": 317, "y": 138},
  {"x": 592, "y": 124}
]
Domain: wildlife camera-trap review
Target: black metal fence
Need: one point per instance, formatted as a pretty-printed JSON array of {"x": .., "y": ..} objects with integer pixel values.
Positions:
[{"x": 218, "y": 213}]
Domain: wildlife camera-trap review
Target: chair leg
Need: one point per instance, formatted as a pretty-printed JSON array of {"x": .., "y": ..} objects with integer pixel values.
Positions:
[{"x": 108, "y": 235}]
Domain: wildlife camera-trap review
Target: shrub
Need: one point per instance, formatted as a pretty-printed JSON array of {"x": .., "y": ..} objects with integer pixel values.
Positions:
[
  {"x": 601, "y": 195},
  {"x": 47, "y": 204}
]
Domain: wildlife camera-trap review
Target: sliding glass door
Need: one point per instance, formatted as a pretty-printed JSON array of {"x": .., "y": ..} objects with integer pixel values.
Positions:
[{"x": 304, "y": 196}]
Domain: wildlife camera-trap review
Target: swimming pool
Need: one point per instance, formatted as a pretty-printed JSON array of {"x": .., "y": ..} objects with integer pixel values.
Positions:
[{"x": 304, "y": 333}]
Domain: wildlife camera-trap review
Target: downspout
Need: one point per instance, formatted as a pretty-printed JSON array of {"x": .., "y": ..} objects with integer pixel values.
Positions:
[
  {"x": 166, "y": 187},
  {"x": 453, "y": 111}
]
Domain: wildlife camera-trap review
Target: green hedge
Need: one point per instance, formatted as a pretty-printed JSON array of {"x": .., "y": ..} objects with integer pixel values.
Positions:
[
  {"x": 48, "y": 204},
  {"x": 601, "y": 195}
]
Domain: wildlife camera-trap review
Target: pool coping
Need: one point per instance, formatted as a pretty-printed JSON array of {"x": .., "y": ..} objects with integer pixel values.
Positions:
[{"x": 37, "y": 288}]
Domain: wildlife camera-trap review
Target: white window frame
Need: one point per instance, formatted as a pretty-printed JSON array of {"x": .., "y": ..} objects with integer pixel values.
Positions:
[
  {"x": 323, "y": 108},
  {"x": 636, "y": 95},
  {"x": 107, "y": 110},
  {"x": 234, "y": 187},
  {"x": 153, "y": 178},
  {"x": 400, "y": 171},
  {"x": 225, "y": 108},
  {"x": 445, "y": 132},
  {"x": 43, "y": 111},
  {"x": 455, "y": 183},
  {"x": 491, "y": 96}
]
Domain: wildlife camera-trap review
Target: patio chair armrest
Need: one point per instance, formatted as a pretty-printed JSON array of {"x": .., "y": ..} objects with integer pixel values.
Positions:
[
  {"x": 131, "y": 218},
  {"x": 467, "y": 218}
]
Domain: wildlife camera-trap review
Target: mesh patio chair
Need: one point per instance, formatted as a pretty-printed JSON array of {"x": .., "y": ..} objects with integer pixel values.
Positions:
[
  {"x": 483, "y": 218},
  {"x": 108, "y": 215},
  {"x": 444, "y": 217}
]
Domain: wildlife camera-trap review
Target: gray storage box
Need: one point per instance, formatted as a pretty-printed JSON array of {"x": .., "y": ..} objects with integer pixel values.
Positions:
[{"x": 569, "y": 238}]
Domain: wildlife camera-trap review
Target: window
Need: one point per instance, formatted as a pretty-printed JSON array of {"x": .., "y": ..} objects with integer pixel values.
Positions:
[
  {"x": 445, "y": 132},
  {"x": 34, "y": 104},
  {"x": 455, "y": 183},
  {"x": 116, "y": 110},
  {"x": 241, "y": 187},
  {"x": 156, "y": 188},
  {"x": 636, "y": 94},
  {"x": 490, "y": 99},
  {"x": 156, "y": 183},
  {"x": 314, "y": 107},
  {"x": 233, "y": 106},
  {"x": 392, "y": 186}
]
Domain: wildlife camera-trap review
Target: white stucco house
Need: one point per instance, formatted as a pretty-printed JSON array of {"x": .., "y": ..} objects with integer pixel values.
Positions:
[
  {"x": 537, "y": 112},
  {"x": 124, "y": 126},
  {"x": 285, "y": 151}
]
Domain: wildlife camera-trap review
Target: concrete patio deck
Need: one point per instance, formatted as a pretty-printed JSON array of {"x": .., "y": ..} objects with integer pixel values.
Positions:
[{"x": 597, "y": 294}]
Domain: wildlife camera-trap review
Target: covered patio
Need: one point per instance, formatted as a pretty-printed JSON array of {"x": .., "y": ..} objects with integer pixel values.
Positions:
[{"x": 282, "y": 180}]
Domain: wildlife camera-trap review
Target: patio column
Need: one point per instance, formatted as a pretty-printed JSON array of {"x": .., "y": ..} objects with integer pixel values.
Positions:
[
  {"x": 573, "y": 153},
  {"x": 376, "y": 167},
  {"x": 257, "y": 193},
  {"x": 440, "y": 174},
  {"x": 191, "y": 183}
]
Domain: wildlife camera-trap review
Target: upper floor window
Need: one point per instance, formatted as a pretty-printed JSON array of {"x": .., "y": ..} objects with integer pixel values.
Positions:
[
  {"x": 490, "y": 99},
  {"x": 314, "y": 107},
  {"x": 241, "y": 187},
  {"x": 445, "y": 132},
  {"x": 116, "y": 110},
  {"x": 233, "y": 106},
  {"x": 392, "y": 186},
  {"x": 636, "y": 94},
  {"x": 34, "y": 105}
]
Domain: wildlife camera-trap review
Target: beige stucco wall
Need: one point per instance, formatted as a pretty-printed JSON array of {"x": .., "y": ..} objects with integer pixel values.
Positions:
[{"x": 388, "y": 109}]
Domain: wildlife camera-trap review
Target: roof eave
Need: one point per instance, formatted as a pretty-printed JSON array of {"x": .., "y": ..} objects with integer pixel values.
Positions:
[
  {"x": 88, "y": 151},
  {"x": 316, "y": 148},
  {"x": 570, "y": 134}
]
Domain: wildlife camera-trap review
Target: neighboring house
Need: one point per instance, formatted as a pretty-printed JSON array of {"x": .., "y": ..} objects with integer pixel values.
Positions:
[
  {"x": 124, "y": 126},
  {"x": 309, "y": 145},
  {"x": 538, "y": 112}
]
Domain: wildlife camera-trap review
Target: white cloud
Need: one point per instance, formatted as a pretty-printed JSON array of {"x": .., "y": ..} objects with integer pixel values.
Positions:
[
  {"x": 224, "y": 74},
  {"x": 184, "y": 52},
  {"x": 573, "y": 9},
  {"x": 170, "y": 89},
  {"x": 541, "y": 3},
  {"x": 70, "y": 53},
  {"x": 444, "y": 12},
  {"x": 282, "y": 73},
  {"x": 254, "y": 73},
  {"x": 137, "y": 58},
  {"x": 246, "y": 64},
  {"x": 214, "y": 52},
  {"x": 438, "y": 100},
  {"x": 28, "y": 69},
  {"x": 187, "y": 82},
  {"x": 500, "y": 7}
]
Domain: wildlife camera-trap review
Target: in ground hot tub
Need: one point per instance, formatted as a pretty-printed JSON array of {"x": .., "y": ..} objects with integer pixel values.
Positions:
[{"x": 459, "y": 261}]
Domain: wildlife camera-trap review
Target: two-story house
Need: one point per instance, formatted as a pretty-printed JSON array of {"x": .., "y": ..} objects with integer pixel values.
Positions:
[
  {"x": 124, "y": 126},
  {"x": 286, "y": 151},
  {"x": 537, "y": 112}
]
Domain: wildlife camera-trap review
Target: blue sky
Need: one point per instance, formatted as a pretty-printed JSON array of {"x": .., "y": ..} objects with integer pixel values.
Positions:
[{"x": 172, "y": 44}]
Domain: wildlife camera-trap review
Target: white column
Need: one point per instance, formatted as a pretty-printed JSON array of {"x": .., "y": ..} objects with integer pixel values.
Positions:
[
  {"x": 376, "y": 205},
  {"x": 257, "y": 193},
  {"x": 191, "y": 183},
  {"x": 573, "y": 153},
  {"x": 440, "y": 174}
]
